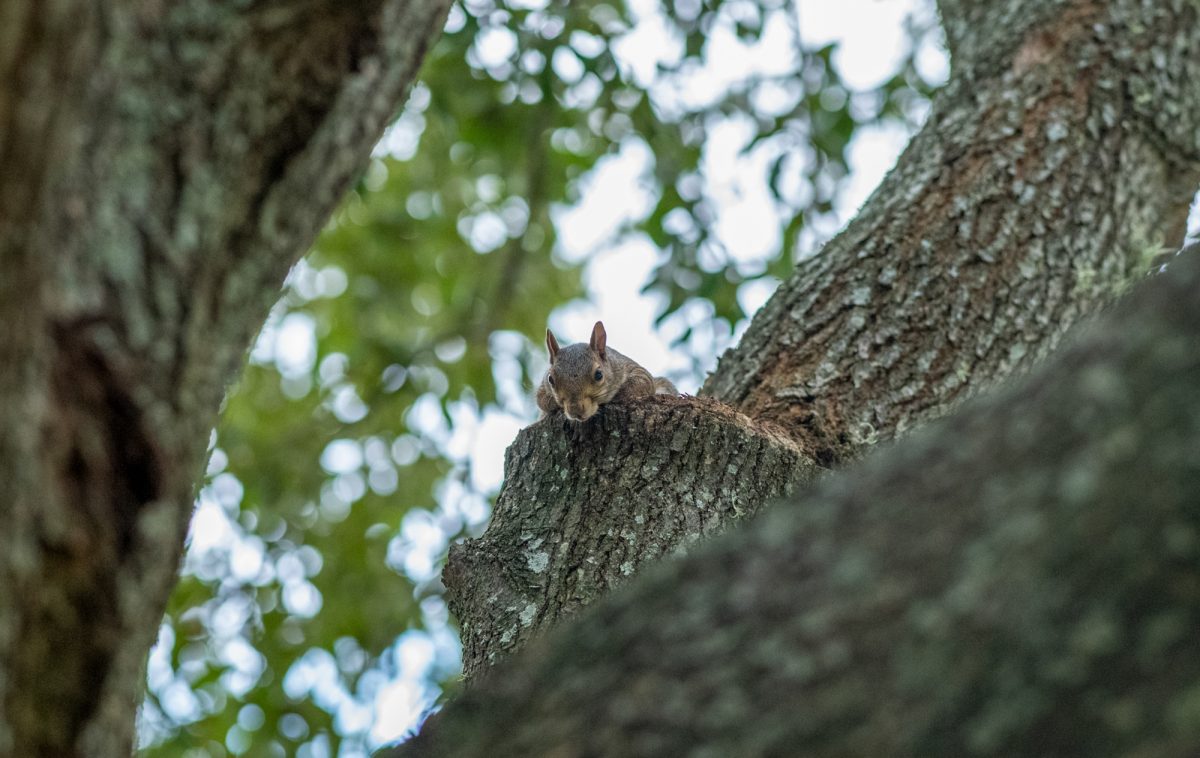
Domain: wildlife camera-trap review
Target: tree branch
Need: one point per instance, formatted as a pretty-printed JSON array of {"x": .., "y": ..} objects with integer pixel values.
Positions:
[
  {"x": 690, "y": 468},
  {"x": 1037, "y": 190}
]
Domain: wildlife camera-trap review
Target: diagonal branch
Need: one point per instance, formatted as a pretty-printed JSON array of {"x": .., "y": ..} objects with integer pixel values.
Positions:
[{"x": 1038, "y": 189}]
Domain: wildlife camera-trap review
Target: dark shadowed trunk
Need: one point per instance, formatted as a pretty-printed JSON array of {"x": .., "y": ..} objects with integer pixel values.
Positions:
[
  {"x": 164, "y": 164},
  {"x": 1058, "y": 160},
  {"x": 1021, "y": 578}
]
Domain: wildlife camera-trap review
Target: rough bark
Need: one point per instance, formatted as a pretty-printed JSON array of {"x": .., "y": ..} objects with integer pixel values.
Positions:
[
  {"x": 1060, "y": 156},
  {"x": 606, "y": 501},
  {"x": 1057, "y": 161},
  {"x": 165, "y": 164},
  {"x": 1020, "y": 578}
]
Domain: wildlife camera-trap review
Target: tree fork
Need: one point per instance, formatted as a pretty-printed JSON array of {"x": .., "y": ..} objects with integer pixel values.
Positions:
[{"x": 1038, "y": 190}]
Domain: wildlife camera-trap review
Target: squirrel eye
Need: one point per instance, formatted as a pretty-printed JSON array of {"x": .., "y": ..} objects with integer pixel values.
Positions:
[
  {"x": 597, "y": 376},
  {"x": 550, "y": 378}
]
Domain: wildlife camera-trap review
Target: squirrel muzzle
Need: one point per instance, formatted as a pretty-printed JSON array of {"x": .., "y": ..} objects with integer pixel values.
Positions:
[{"x": 582, "y": 409}]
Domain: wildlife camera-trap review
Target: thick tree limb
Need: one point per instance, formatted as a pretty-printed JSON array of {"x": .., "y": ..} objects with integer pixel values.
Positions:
[
  {"x": 1044, "y": 179},
  {"x": 165, "y": 164},
  {"x": 1020, "y": 578},
  {"x": 693, "y": 467}
]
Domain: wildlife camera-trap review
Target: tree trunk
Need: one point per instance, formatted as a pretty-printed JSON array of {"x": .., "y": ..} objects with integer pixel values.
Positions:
[
  {"x": 164, "y": 165},
  {"x": 1021, "y": 578},
  {"x": 1057, "y": 161}
]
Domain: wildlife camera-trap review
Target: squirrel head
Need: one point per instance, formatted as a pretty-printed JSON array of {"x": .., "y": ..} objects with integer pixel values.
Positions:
[{"x": 580, "y": 375}]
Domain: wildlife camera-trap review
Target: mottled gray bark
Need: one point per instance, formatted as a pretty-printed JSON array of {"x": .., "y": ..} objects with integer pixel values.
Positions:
[
  {"x": 588, "y": 504},
  {"x": 1059, "y": 158},
  {"x": 164, "y": 165},
  {"x": 1057, "y": 161},
  {"x": 1020, "y": 578}
]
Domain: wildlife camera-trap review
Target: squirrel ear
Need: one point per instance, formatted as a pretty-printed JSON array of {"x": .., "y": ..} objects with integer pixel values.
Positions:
[
  {"x": 551, "y": 344},
  {"x": 599, "y": 339}
]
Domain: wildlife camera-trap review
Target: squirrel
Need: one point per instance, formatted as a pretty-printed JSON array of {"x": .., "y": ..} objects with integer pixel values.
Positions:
[{"x": 583, "y": 377}]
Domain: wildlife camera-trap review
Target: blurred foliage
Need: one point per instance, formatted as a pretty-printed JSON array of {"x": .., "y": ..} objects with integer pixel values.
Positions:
[{"x": 309, "y": 601}]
